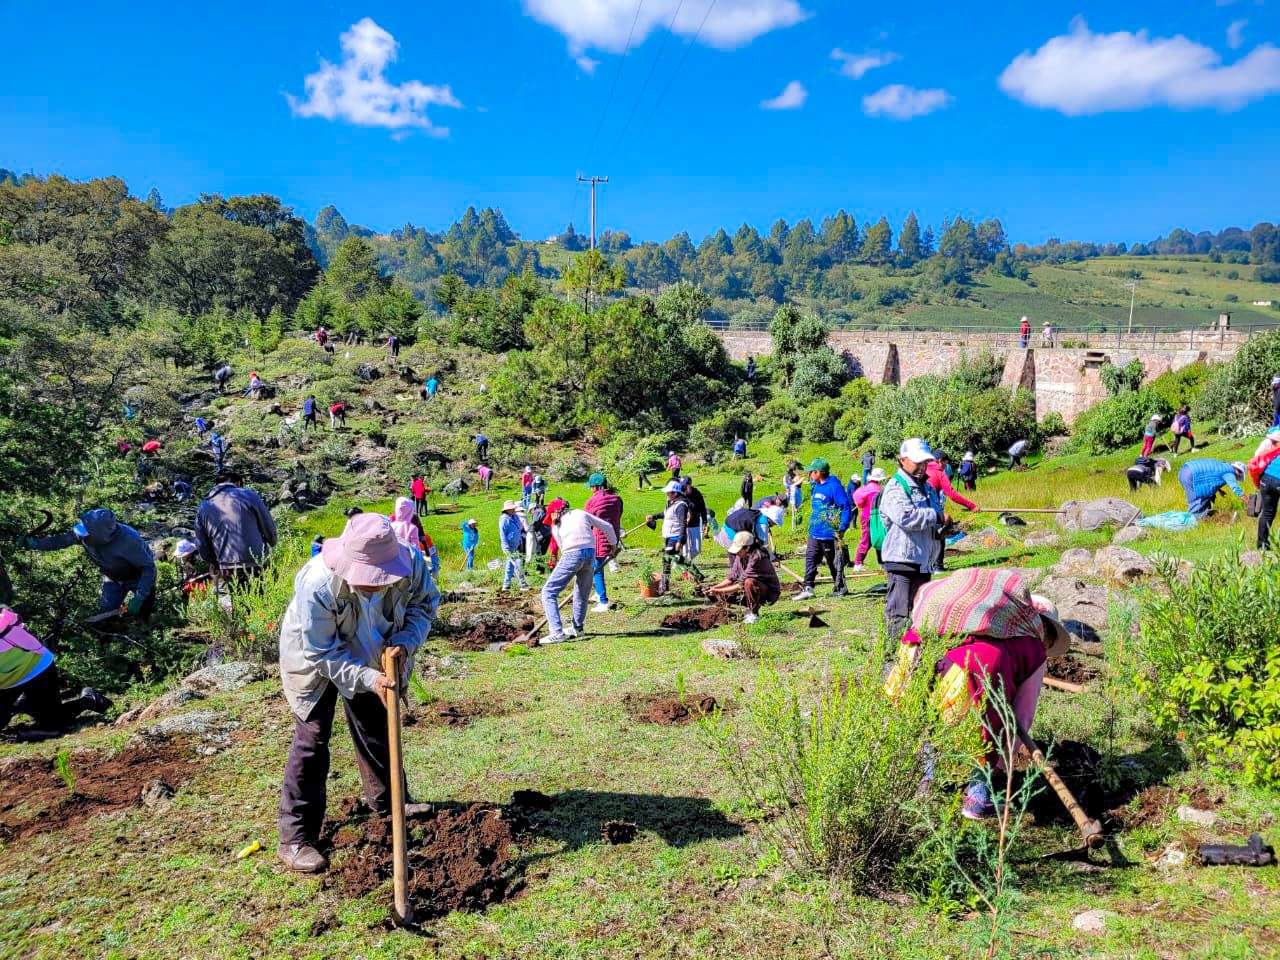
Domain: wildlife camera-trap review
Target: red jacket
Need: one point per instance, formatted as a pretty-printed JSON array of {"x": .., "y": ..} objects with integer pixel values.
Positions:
[
  {"x": 608, "y": 507},
  {"x": 938, "y": 479}
]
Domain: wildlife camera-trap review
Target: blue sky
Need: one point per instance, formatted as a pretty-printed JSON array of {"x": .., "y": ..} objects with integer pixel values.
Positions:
[{"x": 1068, "y": 122}]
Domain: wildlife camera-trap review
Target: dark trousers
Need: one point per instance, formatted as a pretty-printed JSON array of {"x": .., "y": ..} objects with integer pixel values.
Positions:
[
  {"x": 824, "y": 551},
  {"x": 309, "y": 420},
  {"x": 757, "y": 594},
  {"x": 1179, "y": 437},
  {"x": 303, "y": 794},
  {"x": 420, "y": 506},
  {"x": 40, "y": 699},
  {"x": 1269, "y": 493},
  {"x": 903, "y": 587}
]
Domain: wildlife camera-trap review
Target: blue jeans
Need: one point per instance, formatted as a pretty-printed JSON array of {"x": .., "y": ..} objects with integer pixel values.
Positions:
[
  {"x": 575, "y": 567},
  {"x": 514, "y": 569},
  {"x": 471, "y": 557},
  {"x": 597, "y": 577},
  {"x": 1197, "y": 506}
]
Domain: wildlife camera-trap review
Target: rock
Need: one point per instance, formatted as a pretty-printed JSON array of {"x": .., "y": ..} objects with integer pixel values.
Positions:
[
  {"x": 1173, "y": 856},
  {"x": 157, "y": 793},
  {"x": 455, "y": 488},
  {"x": 197, "y": 723},
  {"x": 368, "y": 372},
  {"x": 1041, "y": 538},
  {"x": 1092, "y": 921},
  {"x": 1199, "y": 818},
  {"x": 1076, "y": 562},
  {"x": 225, "y": 676},
  {"x": 276, "y": 409},
  {"x": 1030, "y": 575},
  {"x": 166, "y": 703},
  {"x": 372, "y": 405},
  {"x": 1122, "y": 564},
  {"x": 1095, "y": 514},
  {"x": 722, "y": 649},
  {"x": 1128, "y": 535},
  {"x": 1252, "y": 558},
  {"x": 1077, "y": 601}
]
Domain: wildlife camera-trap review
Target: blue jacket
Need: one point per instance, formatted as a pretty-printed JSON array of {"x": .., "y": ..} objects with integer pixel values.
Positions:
[
  {"x": 308, "y": 406},
  {"x": 470, "y": 536},
  {"x": 830, "y": 504},
  {"x": 117, "y": 550},
  {"x": 511, "y": 533},
  {"x": 1204, "y": 478}
]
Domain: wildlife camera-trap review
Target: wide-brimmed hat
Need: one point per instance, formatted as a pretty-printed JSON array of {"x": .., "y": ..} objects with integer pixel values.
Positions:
[
  {"x": 876, "y": 476},
  {"x": 741, "y": 540},
  {"x": 510, "y": 505},
  {"x": 915, "y": 450},
  {"x": 368, "y": 554},
  {"x": 1057, "y": 638}
]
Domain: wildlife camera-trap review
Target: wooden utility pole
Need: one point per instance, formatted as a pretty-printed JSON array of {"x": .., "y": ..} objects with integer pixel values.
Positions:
[{"x": 593, "y": 181}]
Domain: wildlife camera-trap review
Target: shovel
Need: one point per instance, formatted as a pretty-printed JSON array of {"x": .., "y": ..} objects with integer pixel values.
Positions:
[
  {"x": 399, "y": 855},
  {"x": 533, "y": 633},
  {"x": 1090, "y": 829}
]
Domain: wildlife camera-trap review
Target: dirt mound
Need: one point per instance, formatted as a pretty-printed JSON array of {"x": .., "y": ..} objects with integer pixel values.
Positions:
[
  {"x": 36, "y": 798},
  {"x": 488, "y": 632},
  {"x": 459, "y": 714},
  {"x": 1072, "y": 670},
  {"x": 703, "y": 618},
  {"x": 459, "y": 859},
  {"x": 669, "y": 710}
]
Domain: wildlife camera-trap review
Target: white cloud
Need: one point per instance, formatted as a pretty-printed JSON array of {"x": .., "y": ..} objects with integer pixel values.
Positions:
[
  {"x": 856, "y": 65},
  {"x": 1235, "y": 34},
  {"x": 606, "y": 24},
  {"x": 1085, "y": 73},
  {"x": 902, "y": 102},
  {"x": 792, "y": 97},
  {"x": 586, "y": 64},
  {"x": 356, "y": 91}
]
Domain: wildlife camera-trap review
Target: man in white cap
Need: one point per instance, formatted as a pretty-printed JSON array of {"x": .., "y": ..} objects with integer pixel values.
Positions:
[
  {"x": 751, "y": 573},
  {"x": 365, "y": 592},
  {"x": 911, "y": 513}
]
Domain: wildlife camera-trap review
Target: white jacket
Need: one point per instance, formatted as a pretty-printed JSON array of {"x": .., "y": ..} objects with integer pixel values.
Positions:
[{"x": 573, "y": 531}]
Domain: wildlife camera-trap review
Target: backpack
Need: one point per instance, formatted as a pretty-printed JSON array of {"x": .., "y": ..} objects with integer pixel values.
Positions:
[
  {"x": 744, "y": 518},
  {"x": 1258, "y": 465},
  {"x": 874, "y": 523}
]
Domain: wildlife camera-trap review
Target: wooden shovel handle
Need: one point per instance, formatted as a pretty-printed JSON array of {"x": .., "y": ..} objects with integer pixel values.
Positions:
[
  {"x": 400, "y": 864},
  {"x": 1090, "y": 829}
]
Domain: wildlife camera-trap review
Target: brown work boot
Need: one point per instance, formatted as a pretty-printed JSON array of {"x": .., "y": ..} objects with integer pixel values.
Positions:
[{"x": 302, "y": 858}]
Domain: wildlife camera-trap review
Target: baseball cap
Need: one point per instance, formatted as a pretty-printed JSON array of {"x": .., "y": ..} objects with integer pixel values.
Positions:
[
  {"x": 673, "y": 486},
  {"x": 741, "y": 540},
  {"x": 820, "y": 465},
  {"x": 915, "y": 450},
  {"x": 1238, "y": 467}
]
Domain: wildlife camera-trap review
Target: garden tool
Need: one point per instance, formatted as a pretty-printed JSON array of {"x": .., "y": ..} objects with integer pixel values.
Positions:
[
  {"x": 399, "y": 846},
  {"x": 1090, "y": 829}
]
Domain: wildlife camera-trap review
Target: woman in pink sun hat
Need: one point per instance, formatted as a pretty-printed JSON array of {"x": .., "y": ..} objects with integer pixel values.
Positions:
[{"x": 364, "y": 592}]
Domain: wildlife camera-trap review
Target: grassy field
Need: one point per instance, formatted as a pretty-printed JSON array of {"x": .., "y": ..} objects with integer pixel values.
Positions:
[{"x": 704, "y": 878}]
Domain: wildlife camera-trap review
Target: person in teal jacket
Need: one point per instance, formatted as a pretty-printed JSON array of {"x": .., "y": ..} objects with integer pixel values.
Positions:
[{"x": 470, "y": 540}]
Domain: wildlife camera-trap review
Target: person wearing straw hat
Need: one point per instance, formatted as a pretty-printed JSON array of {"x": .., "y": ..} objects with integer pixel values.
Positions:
[
  {"x": 751, "y": 573},
  {"x": 1000, "y": 637},
  {"x": 511, "y": 539},
  {"x": 573, "y": 531},
  {"x": 365, "y": 592}
]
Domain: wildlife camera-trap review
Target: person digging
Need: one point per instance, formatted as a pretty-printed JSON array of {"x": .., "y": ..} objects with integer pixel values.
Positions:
[
  {"x": 29, "y": 681},
  {"x": 675, "y": 532},
  {"x": 365, "y": 592},
  {"x": 119, "y": 552},
  {"x": 751, "y": 574},
  {"x": 572, "y": 531}
]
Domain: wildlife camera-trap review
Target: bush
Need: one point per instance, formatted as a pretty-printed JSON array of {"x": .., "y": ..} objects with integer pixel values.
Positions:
[
  {"x": 1052, "y": 425},
  {"x": 719, "y": 430},
  {"x": 1117, "y": 422},
  {"x": 818, "y": 373},
  {"x": 818, "y": 421},
  {"x": 1183, "y": 386},
  {"x": 1119, "y": 379},
  {"x": 1240, "y": 390},
  {"x": 950, "y": 412},
  {"x": 1213, "y": 646},
  {"x": 1267, "y": 274},
  {"x": 781, "y": 411},
  {"x": 835, "y": 779}
]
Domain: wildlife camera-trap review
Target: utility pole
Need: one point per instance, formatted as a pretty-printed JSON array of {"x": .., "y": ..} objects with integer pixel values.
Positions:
[
  {"x": 1133, "y": 292},
  {"x": 593, "y": 181}
]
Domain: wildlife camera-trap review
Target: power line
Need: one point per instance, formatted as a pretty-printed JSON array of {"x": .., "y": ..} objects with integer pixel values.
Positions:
[
  {"x": 593, "y": 181},
  {"x": 687, "y": 47},
  {"x": 649, "y": 76},
  {"x": 614, "y": 87}
]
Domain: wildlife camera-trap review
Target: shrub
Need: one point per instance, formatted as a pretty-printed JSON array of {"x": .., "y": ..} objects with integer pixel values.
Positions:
[
  {"x": 835, "y": 779},
  {"x": 1183, "y": 386},
  {"x": 819, "y": 420},
  {"x": 1117, "y": 422},
  {"x": 1212, "y": 641},
  {"x": 949, "y": 412},
  {"x": 1239, "y": 391},
  {"x": 1052, "y": 425},
  {"x": 818, "y": 373},
  {"x": 1267, "y": 274},
  {"x": 1233, "y": 274},
  {"x": 719, "y": 430},
  {"x": 1119, "y": 379}
]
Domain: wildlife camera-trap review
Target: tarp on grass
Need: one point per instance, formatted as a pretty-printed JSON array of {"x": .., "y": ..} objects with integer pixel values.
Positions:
[{"x": 1176, "y": 520}]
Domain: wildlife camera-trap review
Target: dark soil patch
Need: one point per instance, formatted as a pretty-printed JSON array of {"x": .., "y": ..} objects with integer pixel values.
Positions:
[
  {"x": 486, "y": 633},
  {"x": 456, "y": 715},
  {"x": 532, "y": 800},
  {"x": 459, "y": 859},
  {"x": 1072, "y": 670},
  {"x": 669, "y": 710},
  {"x": 1080, "y": 767},
  {"x": 703, "y": 618},
  {"x": 617, "y": 832},
  {"x": 1150, "y": 806},
  {"x": 35, "y": 798}
]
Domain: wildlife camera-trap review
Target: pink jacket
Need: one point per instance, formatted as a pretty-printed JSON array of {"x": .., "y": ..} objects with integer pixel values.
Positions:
[
  {"x": 938, "y": 479},
  {"x": 863, "y": 497},
  {"x": 608, "y": 507}
]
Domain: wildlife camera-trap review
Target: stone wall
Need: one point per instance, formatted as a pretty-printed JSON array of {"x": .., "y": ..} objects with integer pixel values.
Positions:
[{"x": 1064, "y": 379}]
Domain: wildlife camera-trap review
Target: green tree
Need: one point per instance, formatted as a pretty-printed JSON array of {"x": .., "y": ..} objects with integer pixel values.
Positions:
[
  {"x": 353, "y": 272},
  {"x": 909, "y": 238},
  {"x": 590, "y": 277},
  {"x": 877, "y": 243}
]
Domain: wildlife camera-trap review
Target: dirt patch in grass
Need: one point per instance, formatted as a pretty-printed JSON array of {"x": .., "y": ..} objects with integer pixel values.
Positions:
[
  {"x": 34, "y": 797},
  {"x": 668, "y": 710},
  {"x": 459, "y": 859},
  {"x": 1080, "y": 767},
  {"x": 457, "y": 714},
  {"x": 617, "y": 832},
  {"x": 1072, "y": 670},
  {"x": 702, "y": 618},
  {"x": 487, "y": 633},
  {"x": 1148, "y": 807}
]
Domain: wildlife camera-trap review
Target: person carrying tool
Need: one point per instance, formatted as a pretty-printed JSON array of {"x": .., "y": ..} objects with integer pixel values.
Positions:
[
  {"x": 675, "y": 533},
  {"x": 1149, "y": 434},
  {"x": 511, "y": 539},
  {"x": 829, "y": 517},
  {"x": 470, "y": 541},
  {"x": 574, "y": 533},
  {"x": 968, "y": 472},
  {"x": 1001, "y": 639},
  {"x": 862, "y": 501},
  {"x": 338, "y": 414},
  {"x": 539, "y": 489},
  {"x": 1181, "y": 428},
  {"x": 1203, "y": 480},
  {"x": 29, "y": 681},
  {"x": 1016, "y": 453},
  {"x": 221, "y": 376},
  {"x": 419, "y": 490},
  {"x": 309, "y": 413},
  {"x": 234, "y": 531},
  {"x": 119, "y": 552},
  {"x": 365, "y": 592},
  {"x": 605, "y": 504},
  {"x": 911, "y": 514},
  {"x": 485, "y": 473},
  {"x": 757, "y": 520},
  {"x": 751, "y": 573}
]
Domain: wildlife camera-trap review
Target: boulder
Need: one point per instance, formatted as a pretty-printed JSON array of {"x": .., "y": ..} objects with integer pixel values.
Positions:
[
  {"x": 165, "y": 703},
  {"x": 1030, "y": 575},
  {"x": 455, "y": 488},
  {"x": 225, "y": 676},
  {"x": 1122, "y": 564},
  {"x": 1199, "y": 818},
  {"x": 1092, "y": 921},
  {"x": 1076, "y": 562},
  {"x": 1076, "y": 600},
  {"x": 372, "y": 406},
  {"x": 368, "y": 372},
  {"x": 1041, "y": 538},
  {"x": 157, "y": 794},
  {"x": 1096, "y": 514},
  {"x": 1129, "y": 534},
  {"x": 197, "y": 723},
  {"x": 722, "y": 649}
]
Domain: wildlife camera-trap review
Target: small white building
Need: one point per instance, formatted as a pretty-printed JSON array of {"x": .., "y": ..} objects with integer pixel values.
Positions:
[{"x": 1264, "y": 303}]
